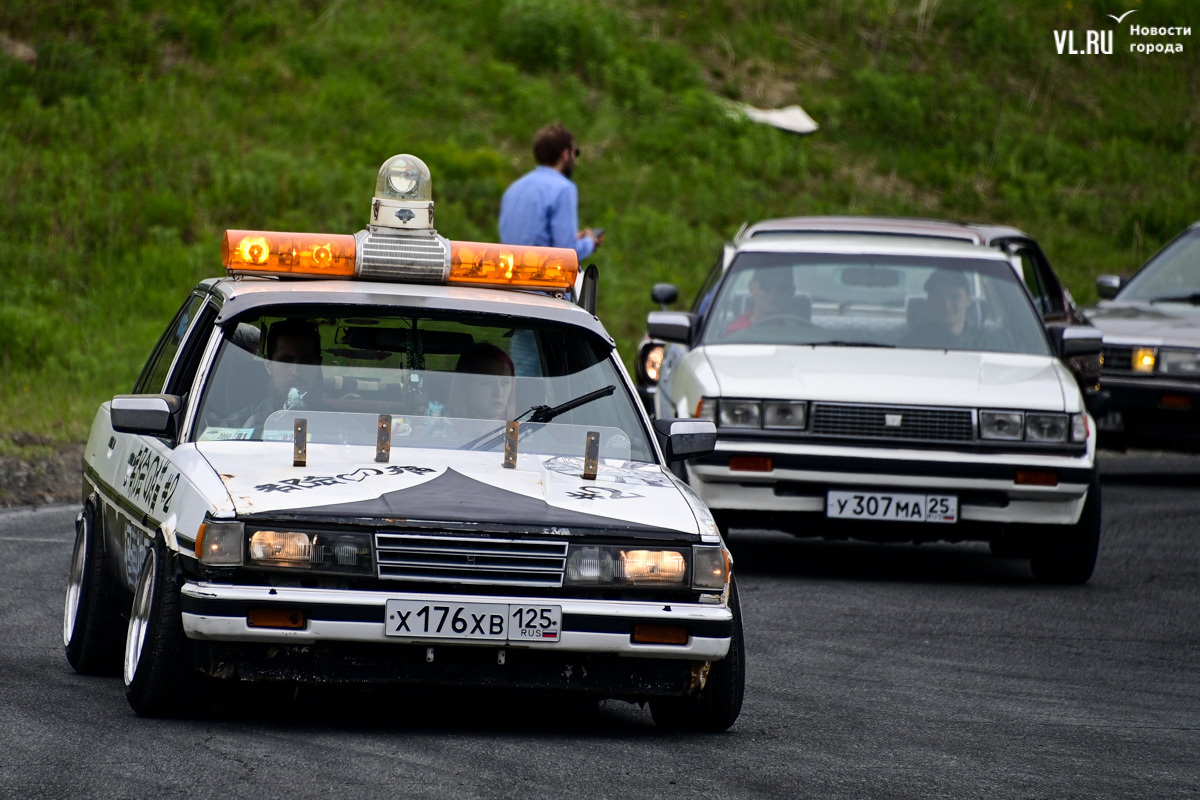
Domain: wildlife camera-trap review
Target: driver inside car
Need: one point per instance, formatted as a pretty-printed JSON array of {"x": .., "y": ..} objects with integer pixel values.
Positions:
[
  {"x": 771, "y": 293},
  {"x": 293, "y": 368}
]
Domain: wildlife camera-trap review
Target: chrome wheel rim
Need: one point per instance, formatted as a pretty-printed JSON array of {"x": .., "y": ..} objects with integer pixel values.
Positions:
[
  {"x": 139, "y": 616},
  {"x": 75, "y": 583}
]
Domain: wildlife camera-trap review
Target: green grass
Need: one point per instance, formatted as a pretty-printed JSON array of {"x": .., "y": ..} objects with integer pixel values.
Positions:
[{"x": 147, "y": 128}]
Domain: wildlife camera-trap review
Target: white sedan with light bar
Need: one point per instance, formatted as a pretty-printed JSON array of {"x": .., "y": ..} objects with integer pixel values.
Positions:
[
  {"x": 886, "y": 387},
  {"x": 390, "y": 457}
]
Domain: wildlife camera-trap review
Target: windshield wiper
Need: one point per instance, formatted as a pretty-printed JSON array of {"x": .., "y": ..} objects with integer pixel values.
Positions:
[
  {"x": 546, "y": 413},
  {"x": 1193, "y": 298},
  {"x": 844, "y": 343},
  {"x": 540, "y": 414}
]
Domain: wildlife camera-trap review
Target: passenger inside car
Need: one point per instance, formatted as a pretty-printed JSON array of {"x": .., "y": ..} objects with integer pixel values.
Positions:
[
  {"x": 944, "y": 319},
  {"x": 483, "y": 386}
]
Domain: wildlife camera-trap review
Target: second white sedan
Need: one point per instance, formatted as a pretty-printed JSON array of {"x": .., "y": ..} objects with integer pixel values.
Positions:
[{"x": 887, "y": 388}]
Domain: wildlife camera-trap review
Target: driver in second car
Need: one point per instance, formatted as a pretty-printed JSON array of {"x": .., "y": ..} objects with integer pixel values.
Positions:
[{"x": 771, "y": 290}]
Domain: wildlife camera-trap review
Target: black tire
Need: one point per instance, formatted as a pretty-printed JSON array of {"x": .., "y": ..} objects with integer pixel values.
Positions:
[
  {"x": 717, "y": 705},
  {"x": 159, "y": 679},
  {"x": 92, "y": 624},
  {"x": 1067, "y": 555}
]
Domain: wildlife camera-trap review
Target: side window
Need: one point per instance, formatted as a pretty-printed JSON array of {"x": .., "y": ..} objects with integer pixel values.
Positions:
[
  {"x": 1032, "y": 278},
  {"x": 705, "y": 296},
  {"x": 154, "y": 374},
  {"x": 1043, "y": 286},
  {"x": 180, "y": 381}
]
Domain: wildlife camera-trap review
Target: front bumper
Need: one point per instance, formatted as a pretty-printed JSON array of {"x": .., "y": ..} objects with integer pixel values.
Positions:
[
  {"x": 1151, "y": 412},
  {"x": 218, "y": 612},
  {"x": 985, "y": 483}
]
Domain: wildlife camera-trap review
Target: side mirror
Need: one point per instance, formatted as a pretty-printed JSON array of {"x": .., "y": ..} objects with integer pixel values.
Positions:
[
  {"x": 145, "y": 414},
  {"x": 1107, "y": 286},
  {"x": 664, "y": 294},
  {"x": 686, "y": 438},
  {"x": 590, "y": 286},
  {"x": 670, "y": 326},
  {"x": 1078, "y": 340}
]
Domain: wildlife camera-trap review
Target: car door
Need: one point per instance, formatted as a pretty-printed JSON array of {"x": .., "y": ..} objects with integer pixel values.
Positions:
[
  {"x": 1054, "y": 303},
  {"x": 135, "y": 475}
]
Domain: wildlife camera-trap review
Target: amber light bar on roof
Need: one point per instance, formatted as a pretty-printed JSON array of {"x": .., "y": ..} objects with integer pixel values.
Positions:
[
  {"x": 509, "y": 265},
  {"x": 302, "y": 255},
  {"x": 325, "y": 255}
]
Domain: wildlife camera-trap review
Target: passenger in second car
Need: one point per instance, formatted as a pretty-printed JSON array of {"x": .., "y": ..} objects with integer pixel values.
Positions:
[{"x": 947, "y": 322}]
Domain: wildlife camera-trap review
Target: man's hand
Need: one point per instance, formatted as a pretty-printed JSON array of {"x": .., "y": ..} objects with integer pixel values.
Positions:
[{"x": 597, "y": 236}]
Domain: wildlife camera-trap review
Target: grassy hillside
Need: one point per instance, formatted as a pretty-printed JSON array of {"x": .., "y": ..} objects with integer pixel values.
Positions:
[{"x": 143, "y": 129}]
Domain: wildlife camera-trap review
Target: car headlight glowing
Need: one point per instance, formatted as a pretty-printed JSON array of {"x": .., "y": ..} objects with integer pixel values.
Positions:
[
  {"x": 653, "y": 566},
  {"x": 1179, "y": 362},
  {"x": 281, "y": 548},
  {"x": 739, "y": 414},
  {"x": 652, "y": 362},
  {"x": 791, "y": 414},
  {"x": 1143, "y": 359},
  {"x": 613, "y": 565},
  {"x": 1003, "y": 425},
  {"x": 219, "y": 544},
  {"x": 1046, "y": 427}
]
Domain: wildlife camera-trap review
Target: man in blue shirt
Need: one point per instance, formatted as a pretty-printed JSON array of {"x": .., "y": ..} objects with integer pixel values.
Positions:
[{"x": 541, "y": 207}]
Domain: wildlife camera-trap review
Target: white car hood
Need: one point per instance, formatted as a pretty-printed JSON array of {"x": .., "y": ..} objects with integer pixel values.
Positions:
[
  {"x": 543, "y": 492},
  {"x": 888, "y": 376}
]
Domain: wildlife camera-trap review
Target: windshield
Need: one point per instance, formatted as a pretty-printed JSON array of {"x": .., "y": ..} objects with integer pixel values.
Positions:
[
  {"x": 1173, "y": 274},
  {"x": 449, "y": 381},
  {"x": 875, "y": 301}
]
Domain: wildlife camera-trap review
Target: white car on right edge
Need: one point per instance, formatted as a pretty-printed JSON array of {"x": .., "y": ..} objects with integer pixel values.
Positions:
[{"x": 889, "y": 388}]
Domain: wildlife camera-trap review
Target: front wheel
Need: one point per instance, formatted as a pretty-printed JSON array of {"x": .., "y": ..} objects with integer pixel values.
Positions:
[
  {"x": 158, "y": 677},
  {"x": 91, "y": 623},
  {"x": 1067, "y": 555},
  {"x": 716, "y": 706}
]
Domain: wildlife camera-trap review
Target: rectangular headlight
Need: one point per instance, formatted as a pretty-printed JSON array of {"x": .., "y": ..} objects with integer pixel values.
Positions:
[
  {"x": 319, "y": 552},
  {"x": 219, "y": 543},
  {"x": 1179, "y": 362},
  {"x": 1046, "y": 427},
  {"x": 739, "y": 414},
  {"x": 787, "y": 414},
  {"x": 710, "y": 570},
  {"x": 1003, "y": 425},
  {"x": 613, "y": 565}
]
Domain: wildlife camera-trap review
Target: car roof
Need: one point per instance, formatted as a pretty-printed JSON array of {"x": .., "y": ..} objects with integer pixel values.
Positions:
[
  {"x": 880, "y": 244},
  {"x": 241, "y": 294},
  {"x": 884, "y": 226}
]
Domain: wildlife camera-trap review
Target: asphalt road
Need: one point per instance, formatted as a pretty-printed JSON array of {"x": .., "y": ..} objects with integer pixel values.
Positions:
[{"x": 874, "y": 671}]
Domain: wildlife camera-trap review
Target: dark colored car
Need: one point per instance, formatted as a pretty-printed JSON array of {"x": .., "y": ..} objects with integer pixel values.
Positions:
[
  {"x": 1052, "y": 300},
  {"x": 1151, "y": 327}
]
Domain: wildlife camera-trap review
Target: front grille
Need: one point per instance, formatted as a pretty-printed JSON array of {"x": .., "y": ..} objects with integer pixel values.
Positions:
[
  {"x": 1117, "y": 358},
  {"x": 399, "y": 257},
  {"x": 893, "y": 422},
  {"x": 449, "y": 559}
]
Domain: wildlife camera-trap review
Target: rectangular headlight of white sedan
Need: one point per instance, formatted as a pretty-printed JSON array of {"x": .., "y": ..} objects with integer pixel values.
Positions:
[
  {"x": 789, "y": 414},
  {"x": 739, "y": 414},
  {"x": 1006, "y": 426}
]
